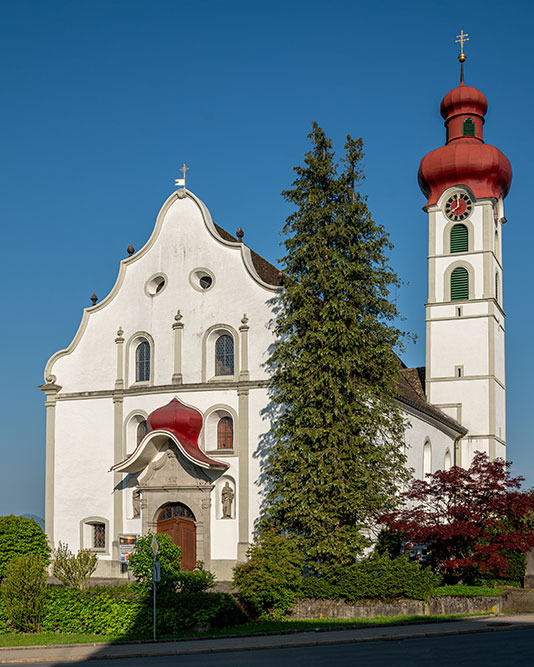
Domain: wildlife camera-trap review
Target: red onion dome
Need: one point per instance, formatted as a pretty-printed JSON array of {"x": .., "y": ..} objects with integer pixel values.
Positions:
[
  {"x": 177, "y": 418},
  {"x": 465, "y": 159},
  {"x": 464, "y": 100}
]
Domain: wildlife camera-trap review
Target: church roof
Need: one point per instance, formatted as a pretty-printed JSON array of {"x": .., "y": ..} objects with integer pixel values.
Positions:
[
  {"x": 266, "y": 271},
  {"x": 411, "y": 391}
]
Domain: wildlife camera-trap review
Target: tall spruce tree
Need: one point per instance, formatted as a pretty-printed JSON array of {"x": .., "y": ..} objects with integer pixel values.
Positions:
[{"x": 337, "y": 455}]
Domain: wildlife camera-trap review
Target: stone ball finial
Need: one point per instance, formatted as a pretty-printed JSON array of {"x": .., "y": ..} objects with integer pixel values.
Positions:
[
  {"x": 130, "y": 250},
  {"x": 94, "y": 298},
  {"x": 240, "y": 233}
]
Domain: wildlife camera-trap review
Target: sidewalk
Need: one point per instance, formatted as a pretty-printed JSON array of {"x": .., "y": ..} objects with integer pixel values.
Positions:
[{"x": 79, "y": 652}]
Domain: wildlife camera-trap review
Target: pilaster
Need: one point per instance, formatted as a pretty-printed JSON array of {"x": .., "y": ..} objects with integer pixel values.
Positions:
[
  {"x": 117, "y": 476},
  {"x": 50, "y": 390},
  {"x": 243, "y": 329},
  {"x": 178, "y": 328},
  {"x": 119, "y": 382},
  {"x": 243, "y": 526}
]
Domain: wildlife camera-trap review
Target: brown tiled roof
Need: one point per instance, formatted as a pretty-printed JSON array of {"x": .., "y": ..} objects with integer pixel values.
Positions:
[
  {"x": 266, "y": 271},
  {"x": 411, "y": 391}
]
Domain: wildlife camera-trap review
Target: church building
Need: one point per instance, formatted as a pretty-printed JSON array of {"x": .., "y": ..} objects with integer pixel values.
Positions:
[{"x": 156, "y": 410}]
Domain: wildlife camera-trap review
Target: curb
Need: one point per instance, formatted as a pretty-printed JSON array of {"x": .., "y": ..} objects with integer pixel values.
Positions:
[{"x": 256, "y": 647}]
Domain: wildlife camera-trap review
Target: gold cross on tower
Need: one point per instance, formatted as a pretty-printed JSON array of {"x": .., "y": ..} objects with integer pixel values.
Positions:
[
  {"x": 181, "y": 181},
  {"x": 461, "y": 39}
]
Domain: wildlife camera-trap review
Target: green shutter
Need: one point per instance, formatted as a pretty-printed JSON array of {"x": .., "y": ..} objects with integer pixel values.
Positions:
[
  {"x": 459, "y": 238},
  {"x": 459, "y": 284},
  {"x": 468, "y": 129}
]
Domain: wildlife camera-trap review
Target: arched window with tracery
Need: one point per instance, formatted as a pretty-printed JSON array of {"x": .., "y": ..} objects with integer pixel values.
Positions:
[
  {"x": 142, "y": 362},
  {"x": 224, "y": 355},
  {"x": 225, "y": 433}
]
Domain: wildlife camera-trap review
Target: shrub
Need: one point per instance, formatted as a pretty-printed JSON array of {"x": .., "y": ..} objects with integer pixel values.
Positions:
[
  {"x": 270, "y": 580},
  {"x": 24, "y": 591},
  {"x": 389, "y": 542},
  {"x": 73, "y": 571},
  {"x": 196, "y": 581},
  {"x": 169, "y": 555},
  {"x": 127, "y": 611},
  {"x": 378, "y": 577},
  {"x": 18, "y": 536}
]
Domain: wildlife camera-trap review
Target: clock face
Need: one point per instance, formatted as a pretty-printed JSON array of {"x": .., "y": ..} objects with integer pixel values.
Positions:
[{"x": 458, "y": 206}]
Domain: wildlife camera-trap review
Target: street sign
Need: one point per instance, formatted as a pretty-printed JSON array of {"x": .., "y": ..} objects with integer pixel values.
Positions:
[
  {"x": 156, "y": 571},
  {"x": 154, "y": 545}
]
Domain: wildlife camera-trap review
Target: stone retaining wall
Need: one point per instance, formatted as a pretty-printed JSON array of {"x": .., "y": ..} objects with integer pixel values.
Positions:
[{"x": 308, "y": 609}]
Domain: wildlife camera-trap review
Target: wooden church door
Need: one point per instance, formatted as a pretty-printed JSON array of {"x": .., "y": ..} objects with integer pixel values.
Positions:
[{"x": 178, "y": 522}]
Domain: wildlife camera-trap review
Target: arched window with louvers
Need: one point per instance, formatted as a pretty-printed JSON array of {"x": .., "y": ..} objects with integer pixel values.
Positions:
[
  {"x": 459, "y": 284},
  {"x": 468, "y": 127},
  {"x": 459, "y": 239}
]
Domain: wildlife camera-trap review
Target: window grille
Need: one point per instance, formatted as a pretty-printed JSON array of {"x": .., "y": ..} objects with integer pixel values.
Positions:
[
  {"x": 225, "y": 433},
  {"x": 497, "y": 286},
  {"x": 224, "y": 355},
  {"x": 99, "y": 536},
  {"x": 459, "y": 238},
  {"x": 459, "y": 284},
  {"x": 468, "y": 127},
  {"x": 142, "y": 362},
  {"x": 176, "y": 510}
]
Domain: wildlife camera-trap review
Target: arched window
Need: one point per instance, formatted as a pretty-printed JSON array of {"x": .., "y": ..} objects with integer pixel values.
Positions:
[
  {"x": 447, "y": 461},
  {"x": 225, "y": 433},
  {"x": 427, "y": 459},
  {"x": 468, "y": 127},
  {"x": 142, "y": 430},
  {"x": 224, "y": 355},
  {"x": 459, "y": 239},
  {"x": 142, "y": 362},
  {"x": 459, "y": 284}
]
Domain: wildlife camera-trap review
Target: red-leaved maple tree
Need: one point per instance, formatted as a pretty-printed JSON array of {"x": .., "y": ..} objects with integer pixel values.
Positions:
[{"x": 469, "y": 518}]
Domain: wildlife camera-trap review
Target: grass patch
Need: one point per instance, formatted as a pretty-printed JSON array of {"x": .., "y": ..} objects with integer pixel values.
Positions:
[
  {"x": 260, "y": 627},
  {"x": 468, "y": 591}
]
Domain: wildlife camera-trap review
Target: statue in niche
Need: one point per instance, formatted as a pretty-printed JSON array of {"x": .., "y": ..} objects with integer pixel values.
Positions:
[
  {"x": 136, "y": 503},
  {"x": 227, "y": 497}
]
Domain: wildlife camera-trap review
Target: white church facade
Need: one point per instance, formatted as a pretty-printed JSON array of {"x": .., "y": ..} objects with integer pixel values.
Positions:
[{"x": 156, "y": 410}]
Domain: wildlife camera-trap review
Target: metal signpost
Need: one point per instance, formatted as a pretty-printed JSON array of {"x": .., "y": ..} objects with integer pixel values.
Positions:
[{"x": 156, "y": 576}]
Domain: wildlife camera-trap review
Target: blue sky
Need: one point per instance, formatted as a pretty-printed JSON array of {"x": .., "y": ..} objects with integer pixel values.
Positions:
[{"x": 104, "y": 100}]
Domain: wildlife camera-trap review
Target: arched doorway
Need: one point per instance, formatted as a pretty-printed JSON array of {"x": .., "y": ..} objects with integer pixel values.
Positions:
[{"x": 178, "y": 521}]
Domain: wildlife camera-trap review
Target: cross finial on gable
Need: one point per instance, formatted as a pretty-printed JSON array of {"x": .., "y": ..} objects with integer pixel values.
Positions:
[{"x": 181, "y": 181}]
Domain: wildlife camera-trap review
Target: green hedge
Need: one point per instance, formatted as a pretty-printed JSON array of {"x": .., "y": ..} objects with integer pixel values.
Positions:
[
  {"x": 127, "y": 611},
  {"x": 18, "y": 536},
  {"x": 373, "y": 578}
]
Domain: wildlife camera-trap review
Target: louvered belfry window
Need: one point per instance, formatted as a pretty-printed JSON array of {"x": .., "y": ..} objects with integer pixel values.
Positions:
[
  {"x": 459, "y": 284},
  {"x": 468, "y": 128},
  {"x": 224, "y": 355},
  {"x": 459, "y": 238}
]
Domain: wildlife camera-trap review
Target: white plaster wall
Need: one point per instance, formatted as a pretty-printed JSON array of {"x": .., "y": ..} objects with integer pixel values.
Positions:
[
  {"x": 224, "y": 532},
  {"x": 474, "y": 397},
  {"x": 460, "y": 342},
  {"x": 260, "y": 411},
  {"x": 419, "y": 432},
  {"x": 183, "y": 244},
  {"x": 83, "y": 486}
]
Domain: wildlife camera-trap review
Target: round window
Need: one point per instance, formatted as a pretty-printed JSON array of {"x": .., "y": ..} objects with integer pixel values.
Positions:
[
  {"x": 202, "y": 279},
  {"x": 155, "y": 284}
]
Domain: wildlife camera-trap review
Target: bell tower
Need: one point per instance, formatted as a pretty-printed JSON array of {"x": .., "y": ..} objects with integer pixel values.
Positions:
[{"x": 465, "y": 182}]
